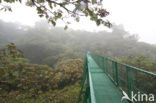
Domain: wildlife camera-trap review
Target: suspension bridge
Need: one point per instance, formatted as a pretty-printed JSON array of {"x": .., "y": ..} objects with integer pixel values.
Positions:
[{"x": 108, "y": 81}]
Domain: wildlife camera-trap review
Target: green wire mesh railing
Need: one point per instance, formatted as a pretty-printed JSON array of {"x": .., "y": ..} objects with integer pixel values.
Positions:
[{"x": 126, "y": 77}]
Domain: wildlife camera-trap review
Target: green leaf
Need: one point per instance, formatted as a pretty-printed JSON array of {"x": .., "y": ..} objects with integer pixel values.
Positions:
[
  {"x": 90, "y": 12},
  {"x": 59, "y": 15},
  {"x": 20, "y": 1},
  {"x": 77, "y": 19},
  {"x": 98, "y": 22},
  {"x": 53, "y": 22},
  {"x": 47, "y": 16},
  {"x": 50, "y": 5},
  {"x": 94, "y": 1},
  {"x": 41, "y": 15},
  {"x": 40, "y": 11},
  {"x": 66, "y": 27}
]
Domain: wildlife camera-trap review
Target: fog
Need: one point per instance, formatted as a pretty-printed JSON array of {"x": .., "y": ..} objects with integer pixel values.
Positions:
[
  {"x": 41, "y": 42},
  {"x": 52, "y": 66},
  {"x": 40, "y": 63}
]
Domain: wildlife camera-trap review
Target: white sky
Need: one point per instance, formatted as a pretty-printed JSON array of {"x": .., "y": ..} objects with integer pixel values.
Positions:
[{"x": 137, "y": 16}]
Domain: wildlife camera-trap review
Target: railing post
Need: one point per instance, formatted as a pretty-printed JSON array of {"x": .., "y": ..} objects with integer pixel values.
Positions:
[
  {"x": 113, "y": 70},
  {"x": 103, "y": 61},
  {"x": 116, "y": 72},
  {"x": 128, "y": 81},
  {"x": 106, "y": 65}
]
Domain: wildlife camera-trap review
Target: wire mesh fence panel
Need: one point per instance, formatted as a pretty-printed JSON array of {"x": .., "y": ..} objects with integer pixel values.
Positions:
[
  {"x": 129, "y": 79},
  {"x": 122, "y": 77}
]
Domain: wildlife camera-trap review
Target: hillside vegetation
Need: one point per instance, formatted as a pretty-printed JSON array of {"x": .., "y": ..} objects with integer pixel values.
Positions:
[{"x": 42, "y": 64}]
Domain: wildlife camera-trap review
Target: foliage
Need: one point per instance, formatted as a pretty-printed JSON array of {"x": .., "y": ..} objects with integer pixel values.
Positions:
[
  {"x": 141, "y": 62},
  {"x": 44, "y": 45},
  {"x": 68, "y": 71},
  {"x": 10, "y": 54},
  {"x": 56, "y": 44},
  {"x": 59, "y": 57},
  {"x": 32, "y": 82},
  {"x": 62, "y": 10},
  {"x": 19, "y": 74},
  {"x": 69, "y": 94}
]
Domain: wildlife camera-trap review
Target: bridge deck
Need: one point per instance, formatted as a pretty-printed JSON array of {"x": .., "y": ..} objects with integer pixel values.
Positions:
[{"x": 102, "y": 90}]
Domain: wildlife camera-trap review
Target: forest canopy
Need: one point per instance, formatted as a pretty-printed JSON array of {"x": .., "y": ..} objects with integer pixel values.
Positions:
[
  {"x": 55, "y": 42},
  {"x": 42, "y": 64}
]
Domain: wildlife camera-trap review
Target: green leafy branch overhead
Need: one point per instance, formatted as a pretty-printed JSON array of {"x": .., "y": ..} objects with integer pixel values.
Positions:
[{"x": 54, "y": 10}]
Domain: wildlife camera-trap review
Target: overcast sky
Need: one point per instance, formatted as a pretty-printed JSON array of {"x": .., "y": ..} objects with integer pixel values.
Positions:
[{"x": 137, "y": 17}]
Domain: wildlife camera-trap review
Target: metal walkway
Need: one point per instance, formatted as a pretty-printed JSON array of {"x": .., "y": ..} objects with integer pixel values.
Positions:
[
  {"x": 104, "y": 84},
  {"x": 104, "y": 89}
]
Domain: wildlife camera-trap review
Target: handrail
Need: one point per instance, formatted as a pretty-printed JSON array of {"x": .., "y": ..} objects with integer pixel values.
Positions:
[
  {"x": 126, "y": 77},
  {"x": 132, "y": 67}
]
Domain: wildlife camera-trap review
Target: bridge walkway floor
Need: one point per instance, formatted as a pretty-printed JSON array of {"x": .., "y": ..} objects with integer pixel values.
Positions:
[{"x": 103, "y": 89}]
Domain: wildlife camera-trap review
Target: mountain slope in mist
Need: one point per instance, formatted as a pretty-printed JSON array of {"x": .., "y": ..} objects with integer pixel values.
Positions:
[{"x": 43, "y": 43}]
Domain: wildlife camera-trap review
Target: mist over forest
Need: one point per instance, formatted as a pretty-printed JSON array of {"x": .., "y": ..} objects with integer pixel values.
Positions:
[
  {"x": 50, "y": 51},
  {"x": 43, "y": 42}
]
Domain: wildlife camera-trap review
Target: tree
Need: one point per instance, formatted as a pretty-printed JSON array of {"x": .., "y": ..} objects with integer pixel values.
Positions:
[
  {"x": 68, "y": 72},
  {"x": 54, "y": 10}
]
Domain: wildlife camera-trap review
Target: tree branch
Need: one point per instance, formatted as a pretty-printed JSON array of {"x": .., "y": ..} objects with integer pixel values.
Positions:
[{"x": 61, "y": 5}]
